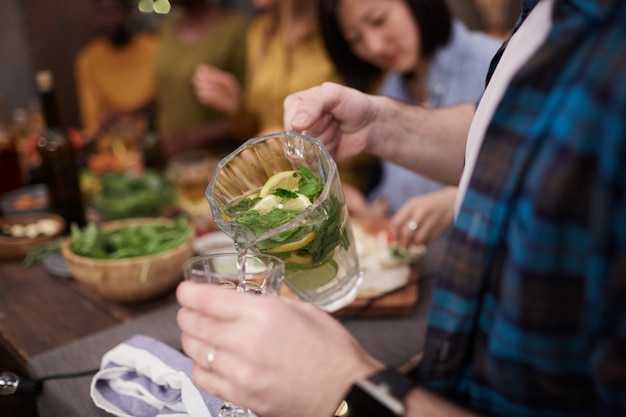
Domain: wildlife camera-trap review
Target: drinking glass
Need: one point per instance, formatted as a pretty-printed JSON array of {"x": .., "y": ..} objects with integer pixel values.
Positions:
[
  {"x": 256, "y": 273},
  {"x": 191, "y": 171},
  {"x": 315, "y": 240}
]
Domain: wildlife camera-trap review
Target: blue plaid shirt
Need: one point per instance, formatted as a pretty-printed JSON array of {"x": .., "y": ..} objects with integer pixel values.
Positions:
[{"x": 529, "y": 314}]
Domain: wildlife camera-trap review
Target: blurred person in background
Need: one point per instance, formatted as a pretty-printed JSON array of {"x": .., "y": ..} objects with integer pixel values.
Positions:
[
  {"x": 115, "y": 71},
  {"x": 495, "y": 17},
  {"x": 416, "y": 52},
  {"x": 197, "y": 33},
  {"x": 285, "y": 53}
]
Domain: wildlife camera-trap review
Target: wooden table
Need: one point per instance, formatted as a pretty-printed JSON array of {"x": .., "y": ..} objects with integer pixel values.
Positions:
[{"x": 40, "y": 312}]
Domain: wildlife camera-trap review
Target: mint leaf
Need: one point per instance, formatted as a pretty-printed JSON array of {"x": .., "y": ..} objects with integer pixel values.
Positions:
[
  {"x": 326, "y": 223},
  {"x": 284, "y": 194},
  {"x": 258, "y": 224},
  {"x": 240, "y": 208},
  {"x": 309, "y": 185}
]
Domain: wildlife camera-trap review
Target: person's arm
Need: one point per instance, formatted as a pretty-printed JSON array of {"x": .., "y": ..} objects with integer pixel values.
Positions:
[
  {"x": 217, "y": 89},
  {"x": 88, "y": 101},
  {"x": 196, "y": 137},
  {"x": 429, "y": 141}
]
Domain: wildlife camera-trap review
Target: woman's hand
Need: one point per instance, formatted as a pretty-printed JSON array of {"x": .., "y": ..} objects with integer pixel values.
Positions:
[
  {"x": 358, "y": 206},
  {"x": 216, "y": 88},
  {"x": 276, "y": 356},
  {"x": 425, "y": 217}
]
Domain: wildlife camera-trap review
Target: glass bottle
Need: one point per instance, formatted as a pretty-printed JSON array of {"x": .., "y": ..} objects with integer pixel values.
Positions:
[
  {"x": 58, "y": 157},
  {"x": 151, "y": 146},
  {"x": 10, "y": 172}
]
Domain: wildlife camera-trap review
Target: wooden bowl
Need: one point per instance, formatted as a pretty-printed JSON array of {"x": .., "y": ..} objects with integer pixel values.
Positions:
[
  {"x": 15, "y": 247},
  {"x": 130, "y": 280}
]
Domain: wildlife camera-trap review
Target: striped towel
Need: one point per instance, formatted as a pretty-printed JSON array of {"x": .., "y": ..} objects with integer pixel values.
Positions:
[{"x": 143, "y": 377}]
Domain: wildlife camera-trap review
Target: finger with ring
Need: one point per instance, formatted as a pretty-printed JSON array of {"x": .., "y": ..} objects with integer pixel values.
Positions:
[
  {"x": 210, "y": 358},
  {"x": 412, "y": 225}
]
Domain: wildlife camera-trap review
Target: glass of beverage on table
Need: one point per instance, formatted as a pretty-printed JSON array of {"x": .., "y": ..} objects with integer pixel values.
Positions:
[
  {"x": 255, "y": 273},
  {"x": 280, "y": 194},
  {"x": 191, "y": 171}
]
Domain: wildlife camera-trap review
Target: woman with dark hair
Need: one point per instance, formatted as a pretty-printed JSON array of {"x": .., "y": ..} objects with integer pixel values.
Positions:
[
  {"x": 432, "y": 22},
  {"x": 414, "y": 51}
]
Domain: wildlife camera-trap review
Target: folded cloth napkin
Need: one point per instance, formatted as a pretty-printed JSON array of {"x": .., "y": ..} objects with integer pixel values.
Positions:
[{"x": 143, "y": 377}]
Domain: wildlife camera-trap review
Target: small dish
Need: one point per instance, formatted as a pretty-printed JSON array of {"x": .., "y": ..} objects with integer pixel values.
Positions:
[
  {"x": 21, "y": 233},
  {"x": 55, "y": 264},
  {"x": 214, "y": 242},
  {"x": 385, "y": 267},
  {"x": 25, "y": 200}
]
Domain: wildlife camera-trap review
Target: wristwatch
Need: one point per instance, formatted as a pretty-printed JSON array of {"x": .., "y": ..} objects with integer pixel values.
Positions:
[{"x": 380, "y": 395}]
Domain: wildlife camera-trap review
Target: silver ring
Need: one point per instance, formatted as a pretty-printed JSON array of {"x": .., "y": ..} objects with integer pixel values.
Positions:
[
  {"x": 412, "y": 225},
  {"x": 210, "y": 358}
]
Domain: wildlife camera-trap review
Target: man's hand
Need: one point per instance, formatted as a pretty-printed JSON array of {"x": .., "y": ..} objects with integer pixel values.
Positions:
[
  {"x": 277, "y": 356},
  {"x": 428, "y": 141}
]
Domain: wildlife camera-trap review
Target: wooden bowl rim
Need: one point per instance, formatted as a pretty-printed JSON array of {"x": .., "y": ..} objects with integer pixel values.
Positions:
[{"x": 114, "y": 224}]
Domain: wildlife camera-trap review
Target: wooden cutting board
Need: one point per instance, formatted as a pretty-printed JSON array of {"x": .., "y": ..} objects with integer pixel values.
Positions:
[{"x": 391, "y": 304}]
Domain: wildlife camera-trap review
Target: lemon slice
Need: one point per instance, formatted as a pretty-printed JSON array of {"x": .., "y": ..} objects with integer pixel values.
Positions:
[
  {"x": 299, "y": 203},
  {"x": 284, "y": 179},
  {"x": 267, "y": 203},
  {"x": 295, "y": 245},
  {"x": 311, "y": 278},
  {"x": 296, "y": 259}
]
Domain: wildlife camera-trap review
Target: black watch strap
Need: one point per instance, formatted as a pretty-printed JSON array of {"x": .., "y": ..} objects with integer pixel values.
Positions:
[{"x": 380, "y": 395}]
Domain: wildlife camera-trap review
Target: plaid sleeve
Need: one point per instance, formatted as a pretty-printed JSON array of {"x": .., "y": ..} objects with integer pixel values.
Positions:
[{"x": 529, "y": 314}]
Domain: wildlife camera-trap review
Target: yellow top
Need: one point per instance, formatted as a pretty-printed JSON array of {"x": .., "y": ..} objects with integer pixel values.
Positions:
[
  {"x": 273, "y": 72},
  {"x": 110, "y": 78}
]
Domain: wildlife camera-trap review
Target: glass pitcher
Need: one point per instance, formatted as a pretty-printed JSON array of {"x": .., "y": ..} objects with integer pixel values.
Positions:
[{"x": 280, "y": 194}]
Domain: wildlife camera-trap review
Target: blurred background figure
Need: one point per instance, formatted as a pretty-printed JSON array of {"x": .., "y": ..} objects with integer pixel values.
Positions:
[
  {"x": 414, "y": 51},
  {"x": 495, "y": 17},
  {"x": 197, "y": 32},
  {"x": 285, "y": 53},
  {"x": 115, "y": 70}
]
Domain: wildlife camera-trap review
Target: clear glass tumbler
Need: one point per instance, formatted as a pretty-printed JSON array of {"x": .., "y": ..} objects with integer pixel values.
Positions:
[{"x": 259, "y": 274}]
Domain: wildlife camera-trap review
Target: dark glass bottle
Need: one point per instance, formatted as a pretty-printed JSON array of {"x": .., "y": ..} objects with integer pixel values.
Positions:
[
  {"x": 10, "y": 171},
  {"x": 151, "y": 146},
  {"x": 58, "y": 157}
]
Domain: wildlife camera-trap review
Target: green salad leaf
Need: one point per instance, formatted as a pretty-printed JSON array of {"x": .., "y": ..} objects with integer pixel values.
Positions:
[
  {"x": 126, "y": 195},
  {"x": 130, "y": 241}
]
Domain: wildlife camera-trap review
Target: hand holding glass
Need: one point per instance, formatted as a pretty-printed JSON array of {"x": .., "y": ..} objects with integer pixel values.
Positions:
[{"x": 258, "y": 274}]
